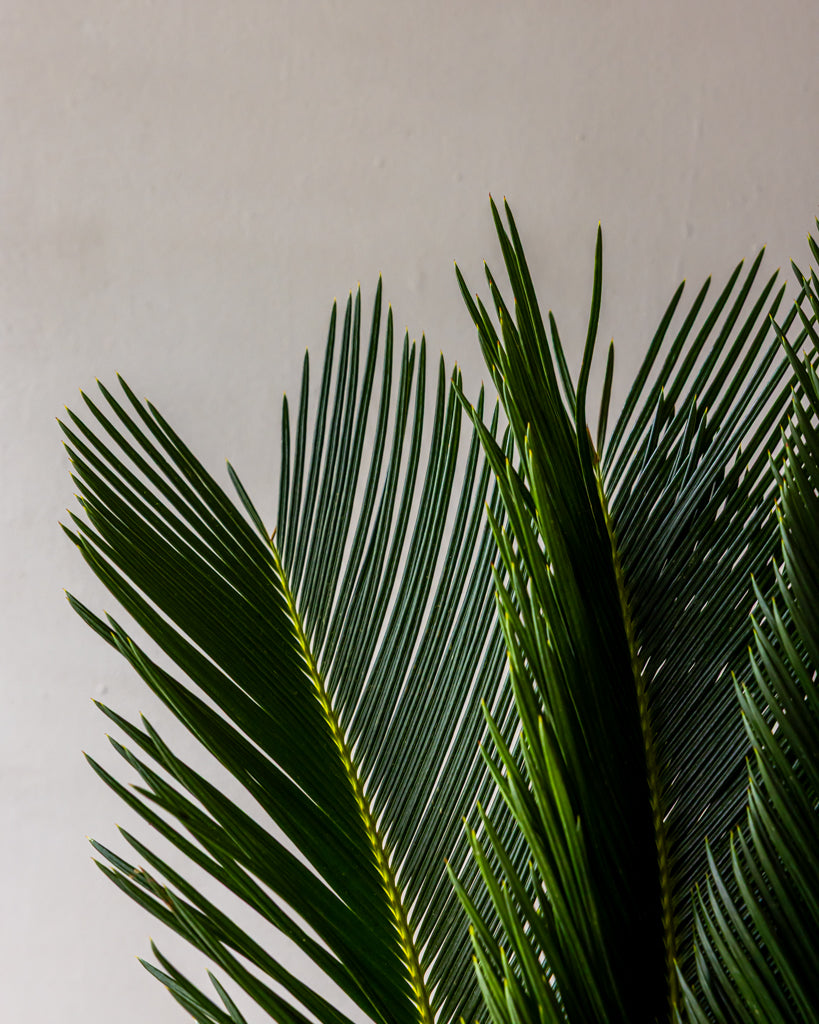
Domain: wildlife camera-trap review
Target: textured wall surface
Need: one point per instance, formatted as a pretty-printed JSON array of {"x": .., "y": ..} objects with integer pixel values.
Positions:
[{"x": 184, "y": 188}]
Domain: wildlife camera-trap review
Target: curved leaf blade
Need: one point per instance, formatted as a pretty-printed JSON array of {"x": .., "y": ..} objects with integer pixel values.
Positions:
[{"x": 312, "y": 664}]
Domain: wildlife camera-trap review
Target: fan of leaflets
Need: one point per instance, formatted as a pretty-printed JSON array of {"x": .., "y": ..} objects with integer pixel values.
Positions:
[
  {"x": 757, "y": 923},
  {"x": 335, "y": 667},
  {"x": 629, "y": 553}
]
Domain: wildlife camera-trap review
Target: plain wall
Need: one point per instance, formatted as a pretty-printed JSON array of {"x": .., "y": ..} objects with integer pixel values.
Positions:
[{"x": 184, "y": 189}]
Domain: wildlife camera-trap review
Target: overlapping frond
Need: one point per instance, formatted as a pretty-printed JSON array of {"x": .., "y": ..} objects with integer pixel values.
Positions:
[
  {"x": 336, "y": 670},
  {"x": 690, "y": 518},
  {"x": 757, "y": 922},
  {"x": 630, "y": 569}
]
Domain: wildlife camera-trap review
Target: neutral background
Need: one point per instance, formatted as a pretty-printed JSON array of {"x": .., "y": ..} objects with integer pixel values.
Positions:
[{"x": 184, "y": 188}]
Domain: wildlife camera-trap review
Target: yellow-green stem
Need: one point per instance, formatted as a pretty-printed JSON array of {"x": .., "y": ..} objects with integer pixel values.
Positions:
[
  {"x": 652, "y": 767},
  {"x": 379, "y": 848}
]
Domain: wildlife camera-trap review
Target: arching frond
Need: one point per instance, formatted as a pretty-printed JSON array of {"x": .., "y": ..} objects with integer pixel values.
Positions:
[
  {"x": 757, "y": 924},
  {"x": 336, "y": 670},
  {"x": 625, "y": 612}
]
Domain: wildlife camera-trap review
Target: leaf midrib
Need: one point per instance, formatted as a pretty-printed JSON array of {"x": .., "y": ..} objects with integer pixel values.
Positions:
[
  {"x": 376, "y": 840},
  {"x": 652, "y": 765}
]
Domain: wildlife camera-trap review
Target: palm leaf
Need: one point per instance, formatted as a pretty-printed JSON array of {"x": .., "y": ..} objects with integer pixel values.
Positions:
[
  {"x": 627, "y": 606},
  {"x": 757, "y": 926},
  {"x": 336, "y": 671}
]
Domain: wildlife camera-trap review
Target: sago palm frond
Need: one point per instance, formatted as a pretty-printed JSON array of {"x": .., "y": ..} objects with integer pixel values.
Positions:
[
  {"x": 629, "y": 555},
  {"x": 757, "y": 954},
  {"x": 336, "y": 670}
]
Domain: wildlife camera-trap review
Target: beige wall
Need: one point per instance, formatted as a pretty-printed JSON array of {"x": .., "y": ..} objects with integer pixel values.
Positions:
[{"x": 184, "y": 188}]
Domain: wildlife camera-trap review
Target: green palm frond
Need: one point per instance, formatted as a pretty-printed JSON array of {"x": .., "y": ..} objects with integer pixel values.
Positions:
[
  {"x": 757, "y": 926},
  {"x": 336, "y": 670},
  {"x": 626, "y": 609}
]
